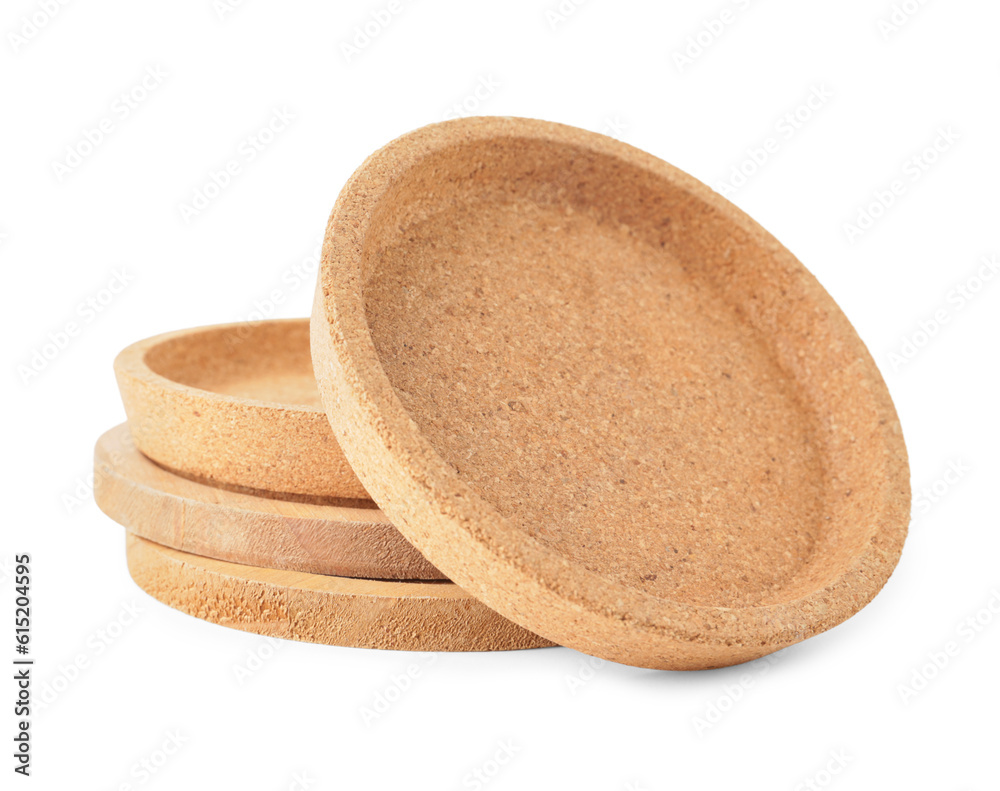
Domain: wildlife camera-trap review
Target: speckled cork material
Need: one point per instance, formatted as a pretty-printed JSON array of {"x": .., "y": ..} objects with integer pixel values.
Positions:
[
  {"x": 236, "y": 405},
  {"x": 403, "y": 616},
  {"x": 602, "y": 399},
  {"x": 257, "y": 531}
]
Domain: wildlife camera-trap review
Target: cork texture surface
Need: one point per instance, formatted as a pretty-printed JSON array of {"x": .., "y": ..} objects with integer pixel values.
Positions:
[
  {"x": 236, "y": 406},
  {"x": 403, "y": 616},
  {"x": 603, "y": 399},
  {"x": 257, "y": 531}
]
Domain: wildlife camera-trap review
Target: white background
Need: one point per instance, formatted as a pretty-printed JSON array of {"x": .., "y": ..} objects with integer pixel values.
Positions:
[{"x": 607, "y": 66}]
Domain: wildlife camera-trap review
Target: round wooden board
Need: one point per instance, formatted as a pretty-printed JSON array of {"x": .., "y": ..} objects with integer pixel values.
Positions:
[
  {"x": 236, "y": 405},
  {"x": 602, "y": 399},
  {"x": 402, "y": 616},
  {"x": 242, "y": 528}
]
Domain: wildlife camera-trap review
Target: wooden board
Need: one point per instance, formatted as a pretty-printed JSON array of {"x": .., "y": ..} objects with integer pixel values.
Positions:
[
  {"x": 321, "y": 539},
  {"x": 602, "y": 399},
  {"x": 236, "y": 405},
  {"x": 403, "y": 616}
]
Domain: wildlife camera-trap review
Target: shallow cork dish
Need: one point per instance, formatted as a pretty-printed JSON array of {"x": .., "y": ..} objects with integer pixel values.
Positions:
[
  {"x": 257, "y": 531},
  {"x": 602, "y": 399},
  {"x": 236, "y": 405},
  {"x": 314, "y": 608}
]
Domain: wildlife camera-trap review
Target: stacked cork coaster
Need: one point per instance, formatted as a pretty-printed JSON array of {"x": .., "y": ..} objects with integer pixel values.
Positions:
[
  {"x": 253, "y": 530},
  {"x": 236, "y": 406},
  {"x": 553, "y": 390},
  {"x": 216, "y": 415}
]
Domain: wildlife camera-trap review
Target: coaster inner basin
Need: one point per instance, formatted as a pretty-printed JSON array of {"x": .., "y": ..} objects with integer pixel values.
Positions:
[
  {"x": 600, "y": 393},
  {"x": 266, "y": 361}
]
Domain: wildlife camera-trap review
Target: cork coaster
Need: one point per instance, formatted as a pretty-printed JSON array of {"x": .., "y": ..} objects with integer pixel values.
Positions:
[
  {"x": 602, "y": 399},
  {"x": 256, "y": 531},
  {"x": 403, "y": 616},
  {"x": 236, "y": 405}
]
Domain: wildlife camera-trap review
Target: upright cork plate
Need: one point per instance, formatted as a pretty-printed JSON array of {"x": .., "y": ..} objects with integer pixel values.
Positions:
[
  {"x": 602, "y": 399},
  {"x": 236, "y": 405},
  {"x": 403, "y": 616},
  {"x": 256, "y": 531}
]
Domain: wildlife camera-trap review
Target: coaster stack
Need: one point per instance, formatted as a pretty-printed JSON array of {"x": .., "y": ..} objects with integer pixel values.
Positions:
[
  {"x": 553, "y": 390},
  {"x": 221, "y": 526}
]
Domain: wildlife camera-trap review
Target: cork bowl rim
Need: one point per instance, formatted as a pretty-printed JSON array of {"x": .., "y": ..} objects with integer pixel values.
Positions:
[
  {"x": 235, "y": 406},
  {"x": 133, "y": 361},
  {"x": 481, "y": 550}
]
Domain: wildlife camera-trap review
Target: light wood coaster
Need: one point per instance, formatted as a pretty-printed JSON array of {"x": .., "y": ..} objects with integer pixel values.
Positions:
[
  {"x": 236, "y": 405},
  {"x": 322, "y": 539},
  {"x": 403, "y": 616},
  {"x": 602, "y": 399}
]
